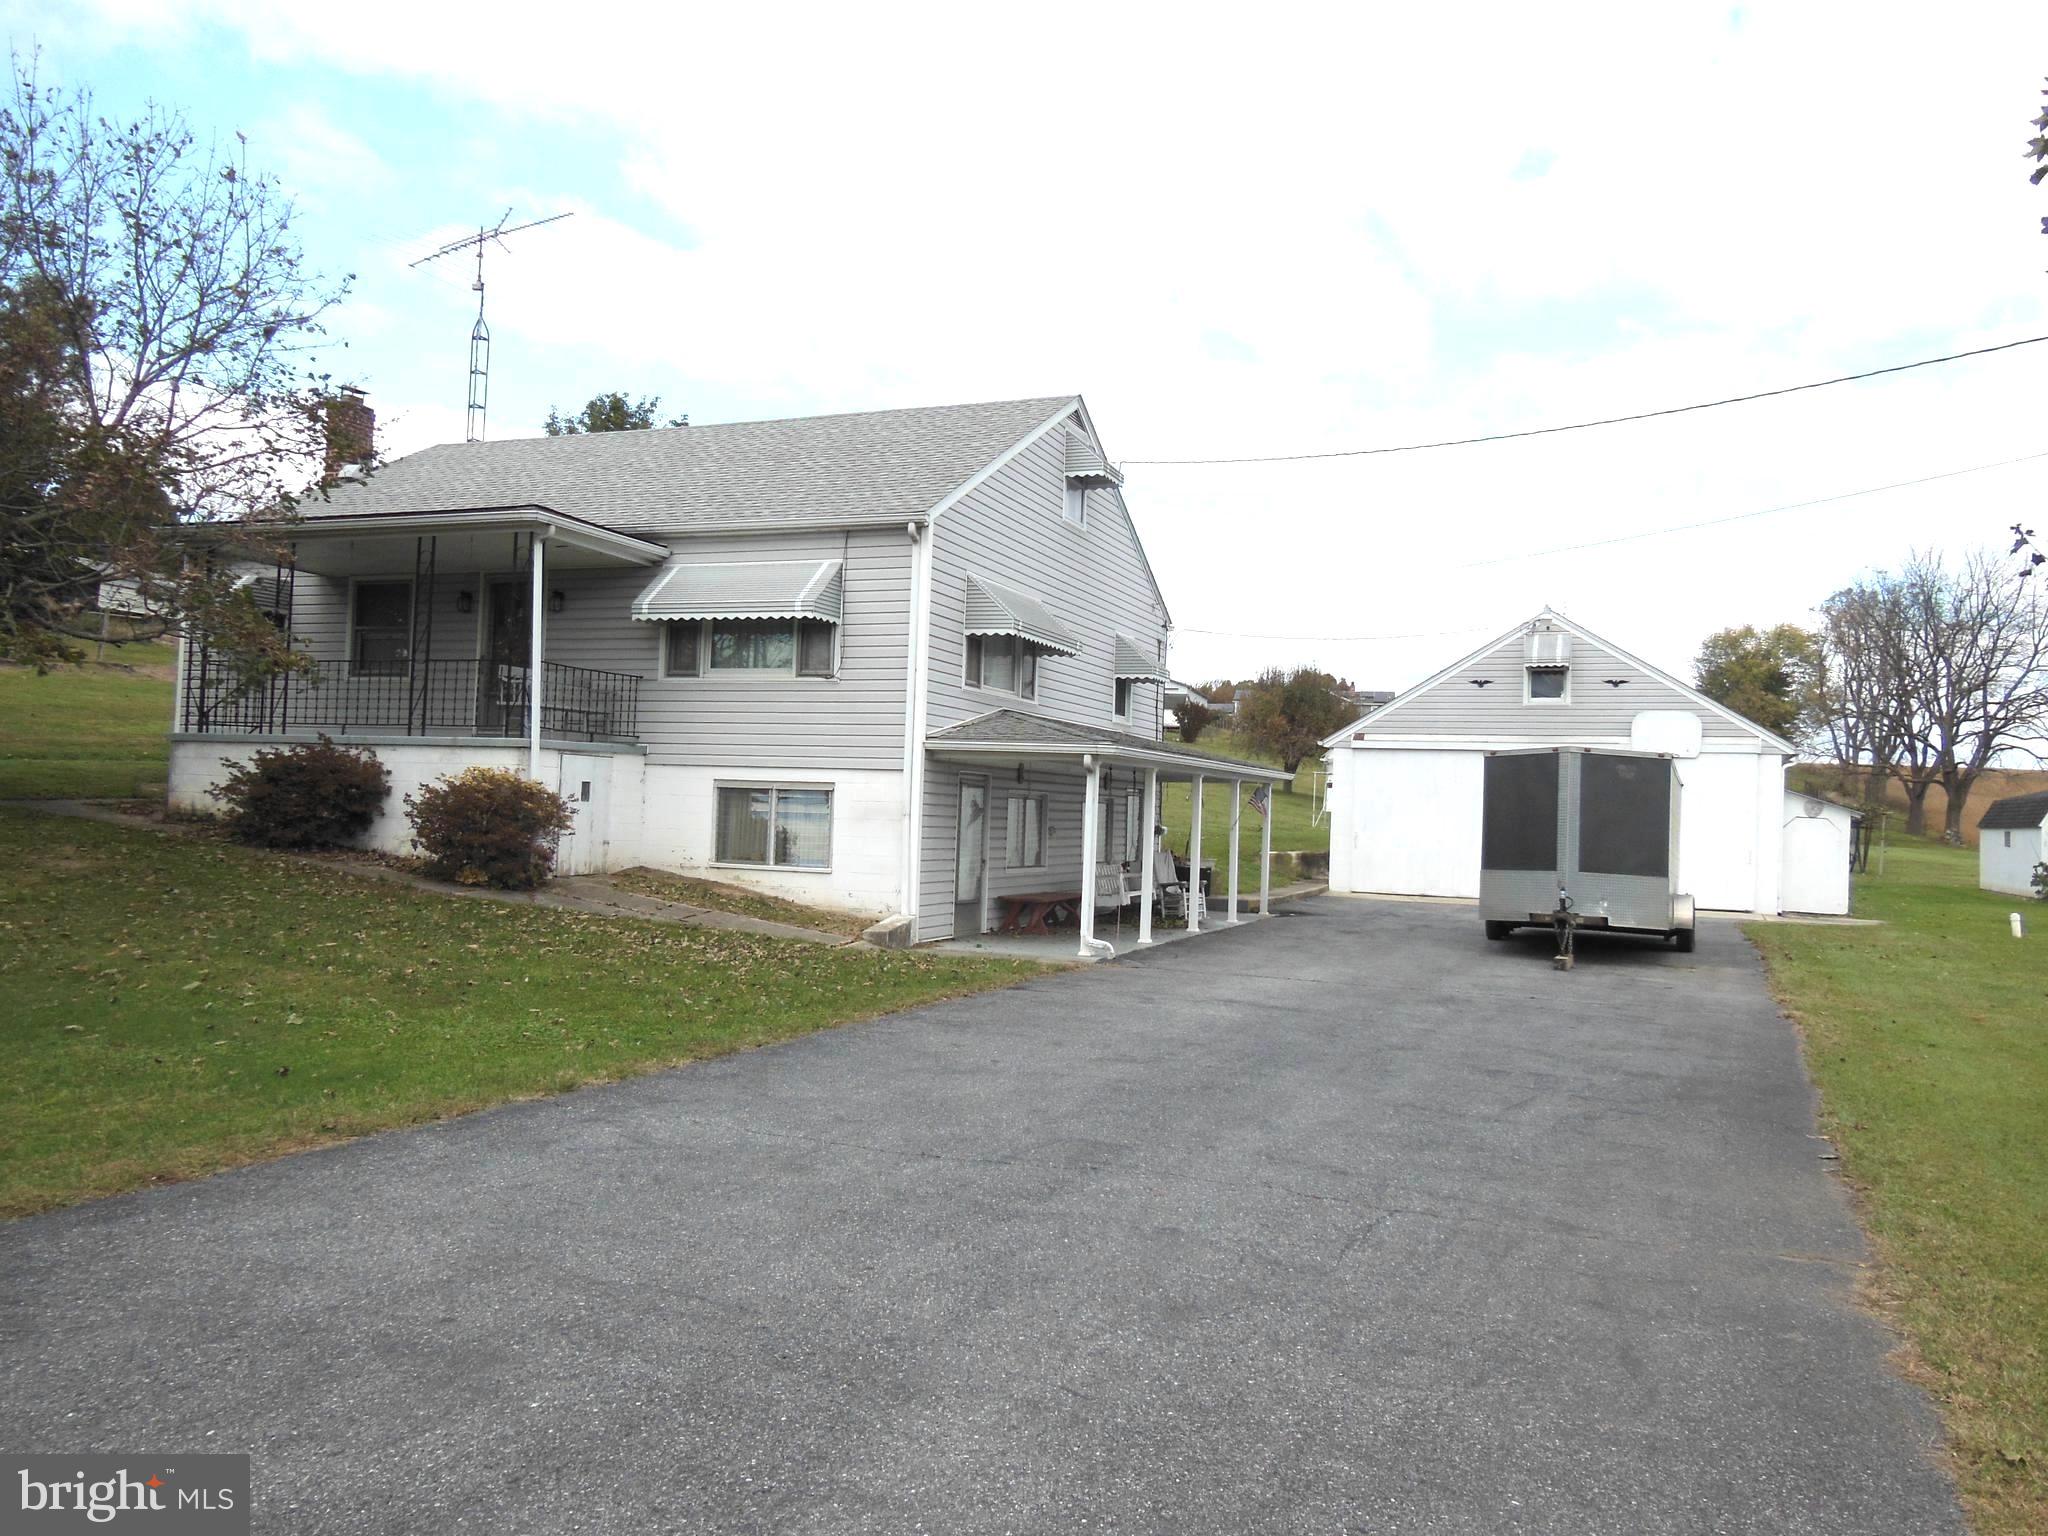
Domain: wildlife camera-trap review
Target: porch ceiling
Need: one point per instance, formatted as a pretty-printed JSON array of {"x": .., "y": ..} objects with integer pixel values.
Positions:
[
  {"x": 1009, "y": 736},
  {"x": 483, "y": 539}
]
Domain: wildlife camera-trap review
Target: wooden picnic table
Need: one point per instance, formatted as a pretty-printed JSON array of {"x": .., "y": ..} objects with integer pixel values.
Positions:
[{"x": 1033, "y": 913}]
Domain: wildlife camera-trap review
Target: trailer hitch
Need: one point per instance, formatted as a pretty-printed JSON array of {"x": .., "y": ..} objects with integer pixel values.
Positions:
[{"x": 1566, "y": 921}]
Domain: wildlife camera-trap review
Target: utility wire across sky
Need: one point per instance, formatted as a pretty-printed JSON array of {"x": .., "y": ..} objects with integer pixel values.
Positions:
[
  {"x": 1625, "y": 538},
  {"x": 1604, "y": 421}
]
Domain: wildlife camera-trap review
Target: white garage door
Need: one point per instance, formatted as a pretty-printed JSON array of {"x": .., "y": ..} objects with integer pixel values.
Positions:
[{"x": 1414, "y": 821}]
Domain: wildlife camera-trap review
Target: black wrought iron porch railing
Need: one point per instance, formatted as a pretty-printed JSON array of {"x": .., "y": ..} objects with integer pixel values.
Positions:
[{"x": 426, "y": 698}]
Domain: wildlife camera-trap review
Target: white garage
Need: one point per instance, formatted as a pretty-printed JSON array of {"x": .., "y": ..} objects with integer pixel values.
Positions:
[{"x": 1404, "y": 783}]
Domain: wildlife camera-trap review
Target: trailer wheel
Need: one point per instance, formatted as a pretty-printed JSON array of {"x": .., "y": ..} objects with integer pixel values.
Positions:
[
  {"x": 1496, "y": 930},
  {"x": 1683, "y": 939}
]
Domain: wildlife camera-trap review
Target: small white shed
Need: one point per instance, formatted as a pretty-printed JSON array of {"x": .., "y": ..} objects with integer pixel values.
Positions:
[
  {"x": 1820, "y": 840},
  {"x": 2010, "y": 843}
]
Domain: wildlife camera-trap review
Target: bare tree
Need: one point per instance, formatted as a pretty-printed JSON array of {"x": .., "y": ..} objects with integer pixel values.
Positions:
[
  {"x": 1929, "y": 675},
  {"x": 164, "y": 292},
  {"x": 1983, "y": 636},
  {"x": 1861, "y": 698}
]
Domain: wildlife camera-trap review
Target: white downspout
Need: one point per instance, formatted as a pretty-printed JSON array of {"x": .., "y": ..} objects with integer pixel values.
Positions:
[
  {"x": 916, "y": 713},
  {"x": 1195, "y": 908},
  {"x": 536, "y": 654},
  {"x": 913, "y": 778}
]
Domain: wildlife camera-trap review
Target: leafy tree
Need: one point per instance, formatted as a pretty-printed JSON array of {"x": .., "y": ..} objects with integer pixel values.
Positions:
[
  {"x": 157, "y": 317},
  {"x": 610, "y": 413},
  {"x": 1287, "y": 714},
  {"x": 1763, "y": 675}
]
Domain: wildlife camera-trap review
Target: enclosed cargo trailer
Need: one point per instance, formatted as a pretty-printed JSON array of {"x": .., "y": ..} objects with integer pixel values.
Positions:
[{"x": 1574, "y": 837}]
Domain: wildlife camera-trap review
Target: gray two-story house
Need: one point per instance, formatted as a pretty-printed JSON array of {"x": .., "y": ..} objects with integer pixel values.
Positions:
[{"x": 900, "y": 662}]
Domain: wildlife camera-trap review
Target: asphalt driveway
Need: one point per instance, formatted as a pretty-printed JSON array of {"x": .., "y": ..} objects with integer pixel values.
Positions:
[{"x": 1347, "y": 1222}]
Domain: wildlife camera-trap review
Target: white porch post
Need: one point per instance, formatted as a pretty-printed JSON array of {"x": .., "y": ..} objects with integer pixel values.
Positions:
[
  {"x": 1195, "y": 858},
  {"x": 537, "y": 610},
  {"x": 1266, "y": 854},
  {"x": 1145, "y": 849},
  {"x": 1236, "y": 809},
  {"x": 1091, "y": 800}
]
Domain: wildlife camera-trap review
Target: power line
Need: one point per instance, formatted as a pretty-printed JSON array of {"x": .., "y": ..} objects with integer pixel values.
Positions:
[
  {"x": 1737, "y": 517},
  {"x": 1622, "y": 538},
  {"x": 1604, "y": 421}
]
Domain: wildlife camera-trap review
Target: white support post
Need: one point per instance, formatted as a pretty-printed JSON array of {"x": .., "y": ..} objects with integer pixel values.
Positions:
[
  {"x": 1195, "y": 858},
  {"x": 1146, "y": 846},
  {"x": 536, "y": 649},
  {"x": 1091, "y": 800},
  {"x": 1266, "y": 853},
  {"x": 1236, "y": 809}
]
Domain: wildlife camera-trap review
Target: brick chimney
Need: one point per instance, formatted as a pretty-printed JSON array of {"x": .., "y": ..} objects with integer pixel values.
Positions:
[{"x": 351, "y": 432}]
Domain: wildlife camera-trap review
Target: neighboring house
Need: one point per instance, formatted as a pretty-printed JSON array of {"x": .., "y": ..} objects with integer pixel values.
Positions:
[
  {"x": 2010, "y": 842},
  {"x": 1405, "y": 780},
  {"x": 880, "y": 662}
]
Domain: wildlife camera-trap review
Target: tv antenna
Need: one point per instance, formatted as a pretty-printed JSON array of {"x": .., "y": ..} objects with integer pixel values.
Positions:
[{"x": 480, "y": 334}]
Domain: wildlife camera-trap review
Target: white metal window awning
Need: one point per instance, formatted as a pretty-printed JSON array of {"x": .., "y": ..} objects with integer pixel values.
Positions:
[
  {"x": 747, "y": 589},
  {"x": 993, "y": 609},
  {"x": 1086, "y": 465},
  {"x": 1135, "y": 663}
]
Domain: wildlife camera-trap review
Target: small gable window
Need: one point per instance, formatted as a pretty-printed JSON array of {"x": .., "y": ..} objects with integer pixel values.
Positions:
[
  {"x": 1077, "y": 505},
  {"x": 1549, "y": 685}
]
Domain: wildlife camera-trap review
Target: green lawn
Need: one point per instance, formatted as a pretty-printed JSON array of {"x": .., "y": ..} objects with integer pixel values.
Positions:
[
  {"x": 93, "y": 731},
  {"x": 1293, "y": 828},
  {"x": 1928, "y": 1039},
  {"x": 178, "y": 1005}
]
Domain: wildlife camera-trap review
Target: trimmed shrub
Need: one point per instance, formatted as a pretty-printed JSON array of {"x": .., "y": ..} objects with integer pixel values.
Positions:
[
  {"x": 313, "y": 795},
  {"x": 488, "y": 826}
]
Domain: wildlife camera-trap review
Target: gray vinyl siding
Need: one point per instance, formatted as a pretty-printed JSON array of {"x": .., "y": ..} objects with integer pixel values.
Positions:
[
  {"x": 854, "y": 720},
  {"x": 1456, "y": 709},
  {"x": 1011, "y": 528},
  {"x": 1065, "y": 793}
]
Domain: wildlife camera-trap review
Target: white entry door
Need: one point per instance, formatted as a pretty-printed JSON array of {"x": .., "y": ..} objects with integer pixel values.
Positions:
[
  {"x": 970, "y": 872},
  {"x": 586, "y": 785}
]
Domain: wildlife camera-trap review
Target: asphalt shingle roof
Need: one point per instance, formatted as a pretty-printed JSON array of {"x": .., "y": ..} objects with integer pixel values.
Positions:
[
  {"x": 1015, "y": 727},
  {"x": 2016, "y": 811},
  {"x": 870, "y": 466}
]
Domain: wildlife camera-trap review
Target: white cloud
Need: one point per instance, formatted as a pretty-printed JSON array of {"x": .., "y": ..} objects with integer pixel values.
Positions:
[{"x": 1271, "y": 230}]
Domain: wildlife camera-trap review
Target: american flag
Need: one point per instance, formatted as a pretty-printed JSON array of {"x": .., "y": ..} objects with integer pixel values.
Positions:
[{"x": 1262, "y": 795}]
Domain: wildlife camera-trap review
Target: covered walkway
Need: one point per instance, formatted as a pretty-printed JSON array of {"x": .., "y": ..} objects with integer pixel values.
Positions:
[{"x": 1105, "y": 877}]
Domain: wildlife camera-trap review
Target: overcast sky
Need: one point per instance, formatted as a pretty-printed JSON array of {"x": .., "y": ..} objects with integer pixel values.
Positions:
[{"x": 1235, "y": 230}]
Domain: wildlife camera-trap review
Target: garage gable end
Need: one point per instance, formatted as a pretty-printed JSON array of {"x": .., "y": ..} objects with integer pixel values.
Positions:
[{"x": 1549, "y": 682}]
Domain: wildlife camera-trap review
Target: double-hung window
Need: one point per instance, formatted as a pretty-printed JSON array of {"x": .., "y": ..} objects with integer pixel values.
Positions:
[
  {"x": 767, "y": 647},
  {"x": 1024, "y": 842},
  {"x": 1005, "y": 663},
  {"x": 1123, "y": 698},
  {"x": 781, "y": 826},
  {"x": 1076, "y": 509},
  {"x": 380, "y": 623}
]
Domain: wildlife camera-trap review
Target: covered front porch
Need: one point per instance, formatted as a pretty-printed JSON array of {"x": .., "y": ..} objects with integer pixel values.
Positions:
[
  {"x": 1054, "y": 836},
  {"x": 420, "y": 625}
]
